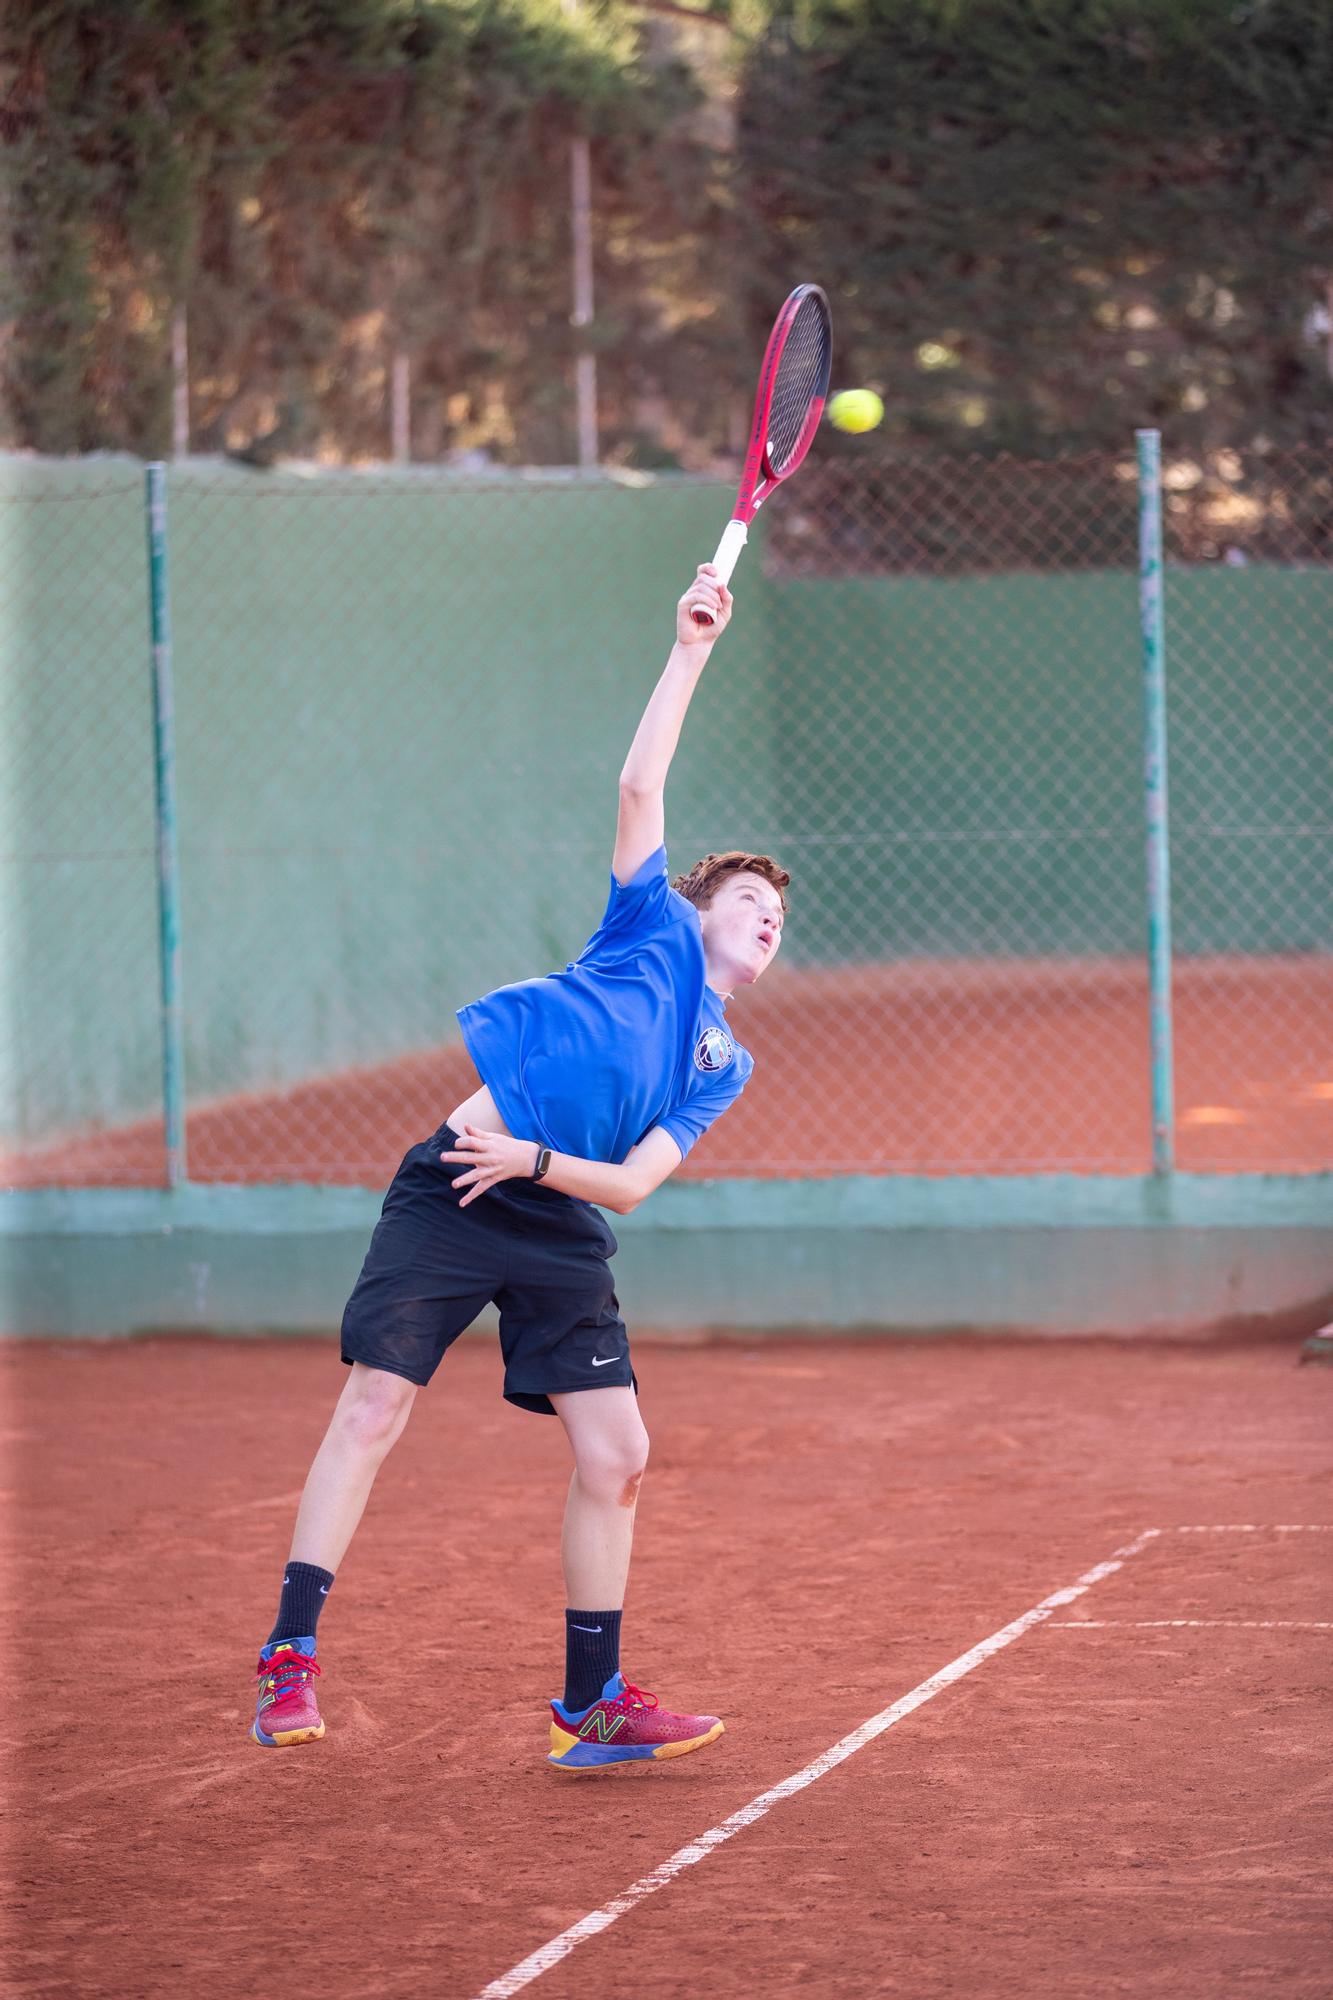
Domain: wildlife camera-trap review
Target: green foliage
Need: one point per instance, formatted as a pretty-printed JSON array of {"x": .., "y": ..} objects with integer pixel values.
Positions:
[
  {"x": 1046, "y": 221},
  {"x": 1041, "y": 221},
  {"x": 325, "y": 182}
]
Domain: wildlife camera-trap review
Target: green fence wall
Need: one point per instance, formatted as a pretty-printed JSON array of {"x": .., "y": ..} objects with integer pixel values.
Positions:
[
  {"x": 402, "y": 708},
  {"x": 1000, "y": 811},
  {"x": 1250, "y": 694},
  {"x": 399, "y": 719},
  {"x": 79, "y": 1038},
  {"x": 400, "y": 726}
]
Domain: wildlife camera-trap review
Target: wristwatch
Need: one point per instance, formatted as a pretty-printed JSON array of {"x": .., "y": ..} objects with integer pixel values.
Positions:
[{"x": 543, "y": 1165}]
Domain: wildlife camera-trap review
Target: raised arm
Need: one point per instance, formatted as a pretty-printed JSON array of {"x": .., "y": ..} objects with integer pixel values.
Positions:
[{"x": 640, "y": 827}]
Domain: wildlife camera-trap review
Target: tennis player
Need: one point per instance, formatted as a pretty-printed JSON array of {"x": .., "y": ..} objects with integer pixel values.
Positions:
[{"x": 595, "y": 1083}]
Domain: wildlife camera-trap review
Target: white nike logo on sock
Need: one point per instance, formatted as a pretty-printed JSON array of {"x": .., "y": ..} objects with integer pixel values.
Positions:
[
  {"x": 607, "y": 1363},
  {"x": 585, "y": 1628},
  {"x": 323, "y": 1590}
]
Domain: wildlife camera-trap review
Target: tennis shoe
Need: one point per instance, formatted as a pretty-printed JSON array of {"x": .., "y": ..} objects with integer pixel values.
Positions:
[
  {"x": 626, "y": 1726},
  {"x": 286, "y": 1710}
]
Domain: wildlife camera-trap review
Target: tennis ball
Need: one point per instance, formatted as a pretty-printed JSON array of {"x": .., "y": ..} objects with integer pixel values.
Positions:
[{"x": 855, "y": 410}]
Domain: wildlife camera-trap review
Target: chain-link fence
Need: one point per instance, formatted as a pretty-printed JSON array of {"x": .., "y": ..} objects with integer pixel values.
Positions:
[
  {"x": 401, "y": 703},
  {"x": 80, "y": 1050},
  {"x": 1250, "y": 678}
]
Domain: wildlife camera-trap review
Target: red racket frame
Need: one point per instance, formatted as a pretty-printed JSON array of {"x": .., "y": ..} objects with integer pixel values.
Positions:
[{"x": 758, "y": 476}]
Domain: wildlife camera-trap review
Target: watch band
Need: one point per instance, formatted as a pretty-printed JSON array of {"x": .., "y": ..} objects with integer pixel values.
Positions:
[{"x": 543, "y": 1165}]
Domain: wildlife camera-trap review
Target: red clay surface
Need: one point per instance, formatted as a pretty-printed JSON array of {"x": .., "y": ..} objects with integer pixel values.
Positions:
[
  {"x": 928, "y": 1068},
  {"x": 1103, "y": 1808}
]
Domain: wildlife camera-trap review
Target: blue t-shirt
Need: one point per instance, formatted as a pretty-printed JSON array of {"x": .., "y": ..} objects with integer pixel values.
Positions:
[{"x": 627, "y": 1037}]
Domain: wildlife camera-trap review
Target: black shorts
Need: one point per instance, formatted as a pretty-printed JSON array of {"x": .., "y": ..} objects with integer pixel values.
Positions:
[{"x": 539, "y": 1255}]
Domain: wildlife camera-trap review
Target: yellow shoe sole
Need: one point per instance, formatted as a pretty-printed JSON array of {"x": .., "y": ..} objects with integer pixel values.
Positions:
[
  {"x": 281, "y": 1738},
  {"x": 606, "y": 1757},
  {"x": 694, "y": 1743}
]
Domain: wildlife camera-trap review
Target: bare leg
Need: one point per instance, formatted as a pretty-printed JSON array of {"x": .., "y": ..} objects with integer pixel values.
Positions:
[
  {"x": 610, "y": 1447},
  {"x": 368, "y": 1420}
]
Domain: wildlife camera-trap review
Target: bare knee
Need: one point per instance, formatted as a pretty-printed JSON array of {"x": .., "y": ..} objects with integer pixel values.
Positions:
[
  {"x": 373, "y": 1409},
  {"x": 613, "y": 1468}
]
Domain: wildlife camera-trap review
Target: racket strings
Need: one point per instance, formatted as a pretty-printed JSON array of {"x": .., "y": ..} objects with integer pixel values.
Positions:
[{"x": 802, "y": 377}]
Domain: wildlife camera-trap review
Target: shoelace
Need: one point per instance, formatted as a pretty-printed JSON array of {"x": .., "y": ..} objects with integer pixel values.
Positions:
[
  {"x": 284, "y": 1671},
  {"x": 637, "y": 1697}
]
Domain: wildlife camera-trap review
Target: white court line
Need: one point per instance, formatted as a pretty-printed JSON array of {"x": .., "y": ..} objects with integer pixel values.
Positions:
[
  {"x": 1199, "y": 1624},
  {"x": 1259, "y": 1528},
  {"x": 549, "y": 1955}
]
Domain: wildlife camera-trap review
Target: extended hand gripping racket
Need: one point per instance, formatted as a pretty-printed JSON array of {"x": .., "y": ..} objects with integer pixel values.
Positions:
[{"x": 793, "y": 383}]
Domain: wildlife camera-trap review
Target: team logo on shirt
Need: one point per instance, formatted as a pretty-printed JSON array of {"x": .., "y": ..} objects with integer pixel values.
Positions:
[{"x": 714, "y": 1049}]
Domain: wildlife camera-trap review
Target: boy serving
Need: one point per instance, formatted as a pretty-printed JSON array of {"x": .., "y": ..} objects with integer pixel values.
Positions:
[{"x": 595, "y": 1083}]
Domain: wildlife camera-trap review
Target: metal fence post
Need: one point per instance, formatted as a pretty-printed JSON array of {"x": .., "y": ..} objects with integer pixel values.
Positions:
[
  {"x": 1152, "y": 626},
  {"x": 168, "y": 867}
]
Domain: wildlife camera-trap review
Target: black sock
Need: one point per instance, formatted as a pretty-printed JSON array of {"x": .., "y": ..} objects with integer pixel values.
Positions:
[
  {"x": 592, "y": 1655},
  {"x": 304, "y": 1588}
]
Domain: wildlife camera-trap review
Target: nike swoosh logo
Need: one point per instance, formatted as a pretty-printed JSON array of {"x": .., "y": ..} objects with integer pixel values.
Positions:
[
  {"x": 607, "y": 1363},
  {"x": 585, "y": 1628},
  {"x": 323, "y": 1590}
]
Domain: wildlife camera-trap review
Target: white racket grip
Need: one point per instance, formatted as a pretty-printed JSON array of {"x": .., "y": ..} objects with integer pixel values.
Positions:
[{"x": 734, "y": 537}]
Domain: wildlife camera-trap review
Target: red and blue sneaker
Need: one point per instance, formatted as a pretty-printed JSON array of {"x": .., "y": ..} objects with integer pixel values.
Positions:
[
  {"x": 626, "y": 1726},
  {"x": 286, "y": 1711}
]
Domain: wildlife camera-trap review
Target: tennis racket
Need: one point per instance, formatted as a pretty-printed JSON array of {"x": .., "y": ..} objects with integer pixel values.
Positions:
[{"x": 793, "y": 383}]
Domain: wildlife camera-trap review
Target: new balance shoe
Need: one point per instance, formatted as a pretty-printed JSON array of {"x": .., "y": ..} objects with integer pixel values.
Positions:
[
  {"x": 286, "y": 1711},
  {"x": 626, "y": 1726}
]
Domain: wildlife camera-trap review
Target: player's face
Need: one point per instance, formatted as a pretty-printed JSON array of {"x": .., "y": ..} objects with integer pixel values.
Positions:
[{"x": 742, "y": 929}]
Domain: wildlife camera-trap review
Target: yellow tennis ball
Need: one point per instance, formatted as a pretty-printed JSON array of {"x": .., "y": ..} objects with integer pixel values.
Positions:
[{"x": 856, "y": 410}]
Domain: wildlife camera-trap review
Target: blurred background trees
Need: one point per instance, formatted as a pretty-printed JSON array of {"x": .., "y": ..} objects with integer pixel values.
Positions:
[{"x": 1041, "y": 221}]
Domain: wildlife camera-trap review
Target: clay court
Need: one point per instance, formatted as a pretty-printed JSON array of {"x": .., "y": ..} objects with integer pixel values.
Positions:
[
  {"x": 1082, "y": 1593},
  {"x": 1008, "y": 1067}
]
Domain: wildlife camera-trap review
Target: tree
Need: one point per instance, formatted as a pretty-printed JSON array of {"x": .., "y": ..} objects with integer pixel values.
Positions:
[
  {"x": 322, "y": 186},
  {"x": 1045, "y": 223}
]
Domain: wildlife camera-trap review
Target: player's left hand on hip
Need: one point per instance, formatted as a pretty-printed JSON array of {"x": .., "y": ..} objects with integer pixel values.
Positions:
[
  {"x": 705, "y": 594},
  {"x": 491, "y": 1157}
]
